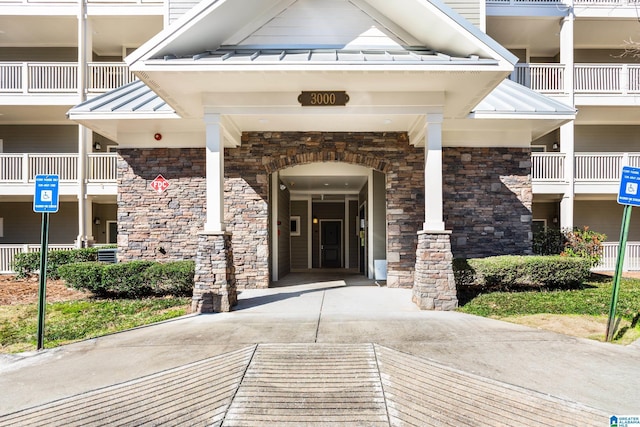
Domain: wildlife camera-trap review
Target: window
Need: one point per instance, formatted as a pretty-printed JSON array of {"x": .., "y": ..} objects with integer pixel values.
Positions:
[
  {"x": 538, "y": 148},
  {"x": 295, "y": 226},
  {"x": 1, "y": 227},
  {"x": 538, "y": 225}
]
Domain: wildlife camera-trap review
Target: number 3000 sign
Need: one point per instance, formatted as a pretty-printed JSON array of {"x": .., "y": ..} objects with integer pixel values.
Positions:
[{"x": 323, "y": 98}]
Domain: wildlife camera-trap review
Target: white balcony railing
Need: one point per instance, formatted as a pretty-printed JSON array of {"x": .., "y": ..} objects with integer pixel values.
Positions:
[
  {"x": 610, "y": 254},
  {"x": 592, "y": 167},
  {"x": 621, "y": 79},
  {"x": 105, "y": 76},
  {"x": 16, "y": 168},
  {"x": 9, "y": 252},
  {"x": 102, "y": 167},
  {"x": 547, "y": 166},
  {"x": 560, "y": 2},
  {"x": 101, "y": 2},
  {"x": 61, "y": 77}
]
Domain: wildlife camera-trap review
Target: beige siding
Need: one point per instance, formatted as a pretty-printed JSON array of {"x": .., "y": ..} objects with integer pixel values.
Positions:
[
  {"x": 379, "y": 216},
  {"x": 469, "y": 9},
  {"x": 44, "y": 54},
  {"x": 353, "y": 234},
  {"x": 299, "y": 244},
  {"x": 39, "y": 139},
  {"x": 548, "y": 211},
  {"x": 22, "y": 225},
  {"x": 604, "y": 217},
  {"x": 600, "y": 56},
  {"x": 177, "y": 8},
  {"x": 106, "y": 212},
  {"x": 284, "y": 262},
  {"x": 607, "y": 138}
]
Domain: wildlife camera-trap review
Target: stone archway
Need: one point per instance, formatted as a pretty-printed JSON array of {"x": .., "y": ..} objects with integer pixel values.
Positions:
[{"x": 247, "y": 169}]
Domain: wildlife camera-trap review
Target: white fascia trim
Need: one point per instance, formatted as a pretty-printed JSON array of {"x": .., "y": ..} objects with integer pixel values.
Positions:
[
  {"x": 522, "y": 116},
  {"x": 122, "y": 116},
  {"x": 172, "y": 31}
]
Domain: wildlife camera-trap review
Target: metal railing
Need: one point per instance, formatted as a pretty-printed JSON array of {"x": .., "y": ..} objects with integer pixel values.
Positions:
[
  {"x": 9, "y": 252},
  {"x": 61, "y": 77},
  {"x": 621, "y": 79},
  {"x": 602, "y": 167},
  {"x": 547, "y": 166},
  {"x": 610, "y": 253},
  {"x": 561, "y": 2},
  {"x": 17, "y": 168},
  {"x": 101, "y": 2}
]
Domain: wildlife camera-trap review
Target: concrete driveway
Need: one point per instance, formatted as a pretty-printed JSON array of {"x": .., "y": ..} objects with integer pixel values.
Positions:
[{"x": 600, "y": 378}]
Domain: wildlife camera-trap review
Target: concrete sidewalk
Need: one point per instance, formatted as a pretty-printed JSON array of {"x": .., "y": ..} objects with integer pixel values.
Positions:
[{"x": 598, "y": 375}]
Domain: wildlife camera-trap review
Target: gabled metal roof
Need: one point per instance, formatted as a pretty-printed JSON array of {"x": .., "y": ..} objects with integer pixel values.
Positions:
[
  {"x": 508, "y": 99},
  {"x": 134, "y": 98},
  {"x": 511, "y": 98},
  {"x": 409, "y": 55}
]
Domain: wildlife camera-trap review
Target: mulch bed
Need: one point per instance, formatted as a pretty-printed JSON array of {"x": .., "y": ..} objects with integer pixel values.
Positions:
[{"x": 25, "y": 291}]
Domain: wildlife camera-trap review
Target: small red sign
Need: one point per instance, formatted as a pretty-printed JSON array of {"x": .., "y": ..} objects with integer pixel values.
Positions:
[{"x": 159, "y": 184}]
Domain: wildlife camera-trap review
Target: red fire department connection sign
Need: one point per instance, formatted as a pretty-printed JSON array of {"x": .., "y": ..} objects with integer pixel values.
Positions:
[{"x": 160, "y": 184}]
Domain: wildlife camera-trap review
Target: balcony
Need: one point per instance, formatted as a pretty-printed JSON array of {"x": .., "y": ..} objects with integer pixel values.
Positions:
[
  {"x": 60, "y": 78},
  {"x": 593, "y": 172},
  {"x": 18, "y": 171},
  {"x": 590, "y": 79},
  {"x": 561, "y": 2}
]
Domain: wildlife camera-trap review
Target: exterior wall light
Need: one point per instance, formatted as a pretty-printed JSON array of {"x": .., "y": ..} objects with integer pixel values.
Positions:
[{"x": 315, "y": 219}]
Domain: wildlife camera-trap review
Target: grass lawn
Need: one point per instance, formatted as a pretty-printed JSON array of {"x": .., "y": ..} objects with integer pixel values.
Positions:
[
  {"x": 580, "y": 312},
  {"x": 70, "y": 321}
]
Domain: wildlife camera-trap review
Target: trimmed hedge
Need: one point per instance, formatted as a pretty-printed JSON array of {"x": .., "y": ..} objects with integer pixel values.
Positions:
[
  {"x": 131, "y": 279},
  {"x": 27, "y": 263},
  {"x": 509, "y": 272}
]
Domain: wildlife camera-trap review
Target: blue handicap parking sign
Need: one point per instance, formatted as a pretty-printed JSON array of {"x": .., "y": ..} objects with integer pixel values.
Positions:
[
  {"x": 629, "y": 193},
  {"x": 45, "y": 198}
]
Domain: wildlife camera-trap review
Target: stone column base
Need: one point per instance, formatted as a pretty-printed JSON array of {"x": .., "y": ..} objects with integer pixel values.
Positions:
[
  {"x": 434, "y": 286},
  {"x": 215, "y": 280}
]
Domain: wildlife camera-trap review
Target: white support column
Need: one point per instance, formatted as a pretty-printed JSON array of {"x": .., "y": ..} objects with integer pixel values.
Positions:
[
  {"x": 566, "y": 52},
  {"x": 84, "y": 134},
  {"x": 567, "y": 203},
  {"x": 433, "y": 174},
  {"x": 84, "y": 220},
  {"x": 275, "y": 183},
  {"x": 215, "y": 173},
  {"x": 369, "y": 226}
]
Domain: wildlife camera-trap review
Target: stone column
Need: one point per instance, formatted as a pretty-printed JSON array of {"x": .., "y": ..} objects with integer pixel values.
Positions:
[
  {"x": 434, "y": 285},
  {"x": 215, "y": 279}
]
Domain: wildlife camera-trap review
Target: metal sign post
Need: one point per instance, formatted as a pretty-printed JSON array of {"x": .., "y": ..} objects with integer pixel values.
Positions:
[
  {"x": 628, "y": 195},
  {"x": 45, "y": 201}
]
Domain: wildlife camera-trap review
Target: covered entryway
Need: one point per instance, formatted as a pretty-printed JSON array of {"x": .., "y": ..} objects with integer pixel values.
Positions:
[
  {"x": 236, "y": 92},
  {"x": 322, "y": 214}
]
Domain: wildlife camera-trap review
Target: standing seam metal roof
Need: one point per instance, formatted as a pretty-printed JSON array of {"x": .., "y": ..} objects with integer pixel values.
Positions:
[
  {"x": 247, "y": 55},
  {"x": 508, "y": 98}
]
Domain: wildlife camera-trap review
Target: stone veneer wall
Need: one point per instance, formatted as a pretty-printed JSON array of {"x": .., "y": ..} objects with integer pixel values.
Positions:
[
  {"x": 247, "y": 168},
  {"x": 150, "y": 223},
  {"x": 487, "y": 200}
]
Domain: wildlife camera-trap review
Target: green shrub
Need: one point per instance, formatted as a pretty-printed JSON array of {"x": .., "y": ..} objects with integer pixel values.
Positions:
[
  {"x": 584, "y": 243},
  {"x": 131, "y": 279},
  {"x": 126, "y": 279},
  {"x": 28, "y": 263},
  {"x": 549, "y": 241},
  {"x": 84, "y": 276},
  {"x": 579, "y": 242},
  {"x": 512, "y": 272},
  {"x": 171, "y": 278}
]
